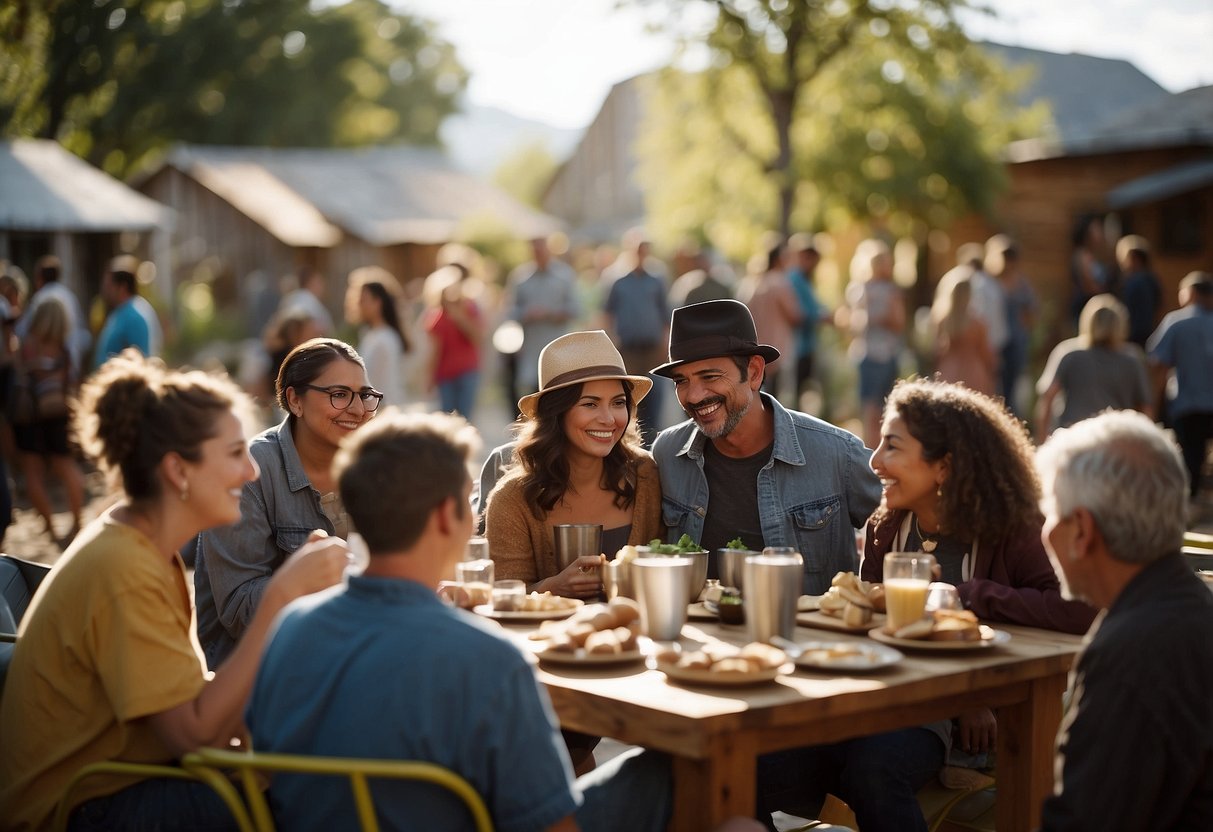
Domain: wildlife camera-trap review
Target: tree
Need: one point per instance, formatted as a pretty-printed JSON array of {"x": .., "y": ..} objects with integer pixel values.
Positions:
[
  {"x": 116, "y": 80},
  {"x": 814, "y": 111},
  {"x": 526, "y": 171}
]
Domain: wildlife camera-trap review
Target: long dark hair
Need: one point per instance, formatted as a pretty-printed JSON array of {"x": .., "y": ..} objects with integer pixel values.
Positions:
[
  {"x": 387, "y": 303},
  {"x": 542, "y": 453},
  {"x": 991, "y": 490}
]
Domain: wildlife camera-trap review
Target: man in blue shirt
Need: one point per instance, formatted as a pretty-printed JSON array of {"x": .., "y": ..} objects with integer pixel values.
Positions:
[
  {"x": 800, "y": 275},
  {"x": 1186, "y": 346},
  {"x": 125, "y": 326},
  {"x": 382, "y": 669},
  {"x": 743, "y": 465}
]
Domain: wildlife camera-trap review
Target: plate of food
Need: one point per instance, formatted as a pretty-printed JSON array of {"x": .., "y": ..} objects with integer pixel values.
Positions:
[
  {"x": 563, "y": 609},
  {"x": 754, "y": 664},
  {"x": 582, "y": 656},
  {"x": 821, "y": 620},
  {"x": 853, "y": 656},
  {"x": 850, "y": 605},
  {"x": 944, "y": 631}
]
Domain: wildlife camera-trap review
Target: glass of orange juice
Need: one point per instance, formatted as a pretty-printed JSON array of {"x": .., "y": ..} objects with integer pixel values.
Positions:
[{"x": 907, "y": 577}]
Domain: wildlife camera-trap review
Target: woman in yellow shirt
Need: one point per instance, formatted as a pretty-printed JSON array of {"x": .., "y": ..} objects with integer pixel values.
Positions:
[{"x": 105, "y": 666}]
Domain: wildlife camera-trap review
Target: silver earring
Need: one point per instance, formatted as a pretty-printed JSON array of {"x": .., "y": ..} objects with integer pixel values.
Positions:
[{"x": 185, "y": 492}]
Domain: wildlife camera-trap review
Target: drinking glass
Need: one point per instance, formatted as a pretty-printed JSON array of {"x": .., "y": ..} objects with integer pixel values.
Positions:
[
  {"x": 477, "y": 578},
  {"x": 508, "y": 596},
  {"x": 942, "y": 596},
  {"x": 907, "y": 578}
]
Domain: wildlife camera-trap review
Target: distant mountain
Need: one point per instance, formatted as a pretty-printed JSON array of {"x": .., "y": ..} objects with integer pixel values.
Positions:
[{"x": 480, "y": 138}]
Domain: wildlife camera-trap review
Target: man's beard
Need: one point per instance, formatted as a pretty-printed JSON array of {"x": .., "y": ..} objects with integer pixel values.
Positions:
[{"x": 732, "y": 417}]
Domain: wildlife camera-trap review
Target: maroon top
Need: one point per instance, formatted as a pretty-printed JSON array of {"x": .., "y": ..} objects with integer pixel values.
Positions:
[{"x": 1013, "y": 580}]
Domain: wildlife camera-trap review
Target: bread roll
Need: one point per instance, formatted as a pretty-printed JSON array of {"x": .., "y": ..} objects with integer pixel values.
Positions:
[
  {"x": 916, "y": 629},
  {"x": 854, "y": 615},
  {"x": 604, "y": 642},
  {"x": 767, "y": 656},
  {"x": 626, "y": 611},
  {"x": 735, "y": 664}
]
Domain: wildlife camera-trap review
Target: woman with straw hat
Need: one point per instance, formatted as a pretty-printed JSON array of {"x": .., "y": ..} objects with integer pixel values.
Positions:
[{"x": 578, "y": 459}]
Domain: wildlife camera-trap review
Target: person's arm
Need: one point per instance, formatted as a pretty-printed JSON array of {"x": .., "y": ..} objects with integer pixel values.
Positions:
[
  {"x": 215, "y": 715},
  {"x": 789, "y": 305},
  {"x": 985, "y": 354},
  {"x": 1033, "y": 597},
  {"x": 1044, "y": 412},
  {"x": 508, "y": 533}
]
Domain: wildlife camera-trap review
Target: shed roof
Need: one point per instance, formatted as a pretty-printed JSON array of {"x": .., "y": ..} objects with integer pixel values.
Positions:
[
  {"x": 383, "y": 195},
  {"x": 1173, "y": 181},
  {"x": 44, "y": 187}
]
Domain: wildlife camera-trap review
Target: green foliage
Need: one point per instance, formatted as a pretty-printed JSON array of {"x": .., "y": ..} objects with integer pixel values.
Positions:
[
  {"x": 526, "y": 172},
  {"x": 117, "y": 80},
  {"x": 814, "y": 114}
]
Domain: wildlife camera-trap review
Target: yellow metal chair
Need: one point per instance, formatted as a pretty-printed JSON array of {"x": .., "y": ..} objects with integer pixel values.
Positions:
[
  {"x": 208, "y": 763},
  {"x": 144, "y": 770}
]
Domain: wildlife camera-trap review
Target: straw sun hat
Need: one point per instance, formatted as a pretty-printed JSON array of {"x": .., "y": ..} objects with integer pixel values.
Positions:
[{"x": 579, "y": 357}]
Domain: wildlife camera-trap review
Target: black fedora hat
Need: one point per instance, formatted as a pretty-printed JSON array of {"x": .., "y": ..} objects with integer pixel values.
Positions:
[{"x": 709, "y": 329}]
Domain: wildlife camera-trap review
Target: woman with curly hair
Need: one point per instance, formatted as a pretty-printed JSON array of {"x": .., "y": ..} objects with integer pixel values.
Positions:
[
  {"x": 106, "y": 667},
  {"x": 578, "y": 460},
  {"x": 959, "y": 482}
]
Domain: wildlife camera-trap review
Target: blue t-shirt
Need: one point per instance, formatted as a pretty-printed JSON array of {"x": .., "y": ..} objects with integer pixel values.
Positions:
[
  {"x": 1187, "y": 345},
  {"x": 639, "y": 310},
  {"x": 806, "y": 333},
  {"x": 124, "y": 327},
  {"x": 382, "y": 669}
]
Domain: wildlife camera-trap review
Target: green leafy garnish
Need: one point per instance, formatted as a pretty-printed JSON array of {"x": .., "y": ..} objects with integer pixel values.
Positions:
[
  {"x": 736, "y": 543},
  {"x": 684, "y": 545}
]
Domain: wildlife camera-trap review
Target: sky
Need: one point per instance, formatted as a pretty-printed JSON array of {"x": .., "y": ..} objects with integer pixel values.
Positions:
[{"x": 555, "y": 60}]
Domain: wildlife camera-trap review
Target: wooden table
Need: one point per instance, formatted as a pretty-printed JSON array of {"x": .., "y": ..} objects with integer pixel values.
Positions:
[{"x": 715, "y": 735}]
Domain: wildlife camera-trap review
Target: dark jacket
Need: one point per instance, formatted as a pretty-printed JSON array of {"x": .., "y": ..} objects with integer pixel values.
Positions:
[{"x": 1013, "y": 580}]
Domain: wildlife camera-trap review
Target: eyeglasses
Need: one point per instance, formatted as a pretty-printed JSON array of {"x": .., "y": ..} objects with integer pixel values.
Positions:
[{"x": 342, "y": 397}]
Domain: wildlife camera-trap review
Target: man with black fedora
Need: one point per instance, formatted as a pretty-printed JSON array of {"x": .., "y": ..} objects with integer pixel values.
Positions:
[{"x": 743, "y": 466}]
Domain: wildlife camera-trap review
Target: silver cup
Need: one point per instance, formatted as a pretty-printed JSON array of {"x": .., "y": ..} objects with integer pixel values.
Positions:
[
  {"x": 661, "y": 590},
  {"x": 573, "y": 540},
  {"x": 730, "y": 563},
  {"x": 772, "y": 588}
]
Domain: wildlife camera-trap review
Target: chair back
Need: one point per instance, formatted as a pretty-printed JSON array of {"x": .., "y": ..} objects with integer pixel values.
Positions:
[
  {"x": 19, "y": 580},
  {"x": 208, "y": 764}
]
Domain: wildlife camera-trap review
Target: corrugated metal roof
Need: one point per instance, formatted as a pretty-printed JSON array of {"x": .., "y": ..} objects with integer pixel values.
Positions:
[
  {"x": 385, "y": 195},
  {"x": 43, "y": 187}
]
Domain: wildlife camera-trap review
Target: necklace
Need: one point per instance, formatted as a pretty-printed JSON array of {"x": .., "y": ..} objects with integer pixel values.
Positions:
[{"x": 928, "y": 544}]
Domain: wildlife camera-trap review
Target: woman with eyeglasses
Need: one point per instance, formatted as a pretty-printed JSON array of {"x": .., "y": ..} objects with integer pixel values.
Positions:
[{"x": 323, "y": 388}]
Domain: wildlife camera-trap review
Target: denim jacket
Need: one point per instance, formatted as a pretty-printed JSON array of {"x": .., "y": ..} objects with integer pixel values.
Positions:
[
  {"x": 233, "y": 563},
  {"x": 815, "y": 491}
]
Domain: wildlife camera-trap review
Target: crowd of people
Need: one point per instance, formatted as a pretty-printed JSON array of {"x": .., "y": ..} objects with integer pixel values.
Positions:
[{"x": 339, "y": 521}]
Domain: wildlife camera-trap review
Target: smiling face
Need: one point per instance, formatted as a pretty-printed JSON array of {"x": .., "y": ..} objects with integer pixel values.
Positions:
[
  {"x": 714, "y": 393},
  {"x": 910, "y": 482},
  {"x": 596, "y": 422},
  {"x": 315, "y": 415},
  {"x": 217, "y": 479}
]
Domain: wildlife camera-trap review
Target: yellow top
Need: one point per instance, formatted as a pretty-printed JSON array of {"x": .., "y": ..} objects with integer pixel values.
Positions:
[{"x": 108, "y": 639}]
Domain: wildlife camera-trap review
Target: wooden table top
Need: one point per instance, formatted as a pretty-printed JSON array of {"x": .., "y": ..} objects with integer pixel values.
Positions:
[{"x": 639, "y": 705}]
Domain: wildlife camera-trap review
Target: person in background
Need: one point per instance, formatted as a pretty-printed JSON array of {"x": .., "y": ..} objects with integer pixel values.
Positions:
[
  {"x": 776, "y": 311},
  {"x": 1114, "y": 523},
  {"x": 705, "y": 281},
  {"x": 1163, "y": 378},
  {"x": 636, "y": 315},
  {"x": 324, "y": 390},
  {"x": 876, "y": 316},
  {"x": 1186, "y": 346},
  {"x": 106, "y": 667},
  {"x": 987, "y": 302},
  {"x": 1089, "y": 274},
  {"x": 1002, "y": 262},
  {"x": 127, "y": 324},
  {"x": 45, "y": 382},
  {"x": 801, "y": 274},
  {"x": 454, "y": 324},
  {"x": 11, "y": 303},
  {"x": 47, "y": 284},
  {"x": 1140, "y": 290},
  {"x": 341, "y": 677},
  {"x": 543, "y": 301},
  {"x": 578, "y": 459},
  {"x": 1094, "y": 371},
  {"x": 308, "y": 295},
  {"x": 374, "y": 300},
  {"x": 962, "y": 346},
  {"x": 743, "y": 465}
]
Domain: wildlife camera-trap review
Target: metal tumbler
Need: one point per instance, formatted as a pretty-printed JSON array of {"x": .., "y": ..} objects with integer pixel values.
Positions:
[
  {"x": 661, "y": 590},
  {"x": 772, "y": 587},
  {"x": 572, "y": 540}
]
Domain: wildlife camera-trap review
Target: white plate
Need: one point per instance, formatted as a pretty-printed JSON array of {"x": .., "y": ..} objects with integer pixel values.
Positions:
[
  {"x": 700, "y": 611},
  {"x": 722, "y": 678},
  {"x": 854, "y": 656},
  {"x": 989, "y": 638},
  {"x": 533, "y": 615},
  {"x": 581, "y": 657},
  {"x": 823, "y": 621}
]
